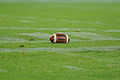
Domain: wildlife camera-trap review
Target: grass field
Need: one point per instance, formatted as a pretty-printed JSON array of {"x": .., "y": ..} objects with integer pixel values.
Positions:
[{"x": 92, "y": 54}]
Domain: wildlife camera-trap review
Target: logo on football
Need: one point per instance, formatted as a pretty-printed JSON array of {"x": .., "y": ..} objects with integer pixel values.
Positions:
[{"x": 59, "y": 38}]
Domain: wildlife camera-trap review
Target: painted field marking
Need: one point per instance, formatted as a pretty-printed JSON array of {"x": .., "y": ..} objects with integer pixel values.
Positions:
[
  {"x": 24, "y": 41},
  {"x": 49, "y": 49},
  {"x": 14, "y": 28},
  {"x": 58, "y": 20},
  {"x": 50, "y": 29},
  {"x": 2, "y": 39},
  {"x": 26, "y": 21},
  {"x": 20, "y": 17},
  {"x": 82, "y": 22},
  {"x": 73, "y": 67},
  {"x": 37, "y": 35},
  {"x": 91, "y": 36},
  {"x": 64, "y": 29},
  {"x": 3, "y": 70},
  {"x": 73, "y": 21},
  {"x": 112, "y": 31}
]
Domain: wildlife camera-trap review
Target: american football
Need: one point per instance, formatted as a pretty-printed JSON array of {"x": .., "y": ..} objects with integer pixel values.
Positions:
[{"x": 59, "y": 38}]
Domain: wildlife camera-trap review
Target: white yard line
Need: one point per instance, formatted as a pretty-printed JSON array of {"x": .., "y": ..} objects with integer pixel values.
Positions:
[
  {"x": 3, "y": 39},
  {"x": 14, "y": 28},
  {"x": 24, "y": 41},
  {"x": 26, "y": 21},
  {"x": 73, "y": 67},
  {"x": 64, "y": 29},
  {"x": 44, "y": 29},
  {"x": 82, "y": 22},
  {"x": 49, "y": 49},
  {"x": 37, "y": 35},
  {"x": 112, "y": 31},
  {"x": 58, "y": 20},
  {"x": 3, "y": 70},
  {"x": 20, "y": 17},
  {"x": 91, "y": 36},
  {"x": 73, "y": 21}
]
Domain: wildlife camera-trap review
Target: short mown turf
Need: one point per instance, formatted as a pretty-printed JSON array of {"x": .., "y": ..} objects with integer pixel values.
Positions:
[{"x": 27, "y": 54}]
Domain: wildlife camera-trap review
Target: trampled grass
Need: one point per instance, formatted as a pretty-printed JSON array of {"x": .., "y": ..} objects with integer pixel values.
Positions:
[{"x": 92, "y": 54}]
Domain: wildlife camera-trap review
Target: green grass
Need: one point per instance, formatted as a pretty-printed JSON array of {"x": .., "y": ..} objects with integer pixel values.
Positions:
[{"x": 93, "y": 25}]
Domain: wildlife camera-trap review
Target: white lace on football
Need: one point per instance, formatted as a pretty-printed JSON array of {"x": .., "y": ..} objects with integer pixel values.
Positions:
[
  {"x": 54, "y": 38},
  {"x": 67, "y": 38}
]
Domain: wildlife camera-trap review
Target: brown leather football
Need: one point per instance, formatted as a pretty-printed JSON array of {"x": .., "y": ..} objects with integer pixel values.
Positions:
[{"x": 59, "y": 38}]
